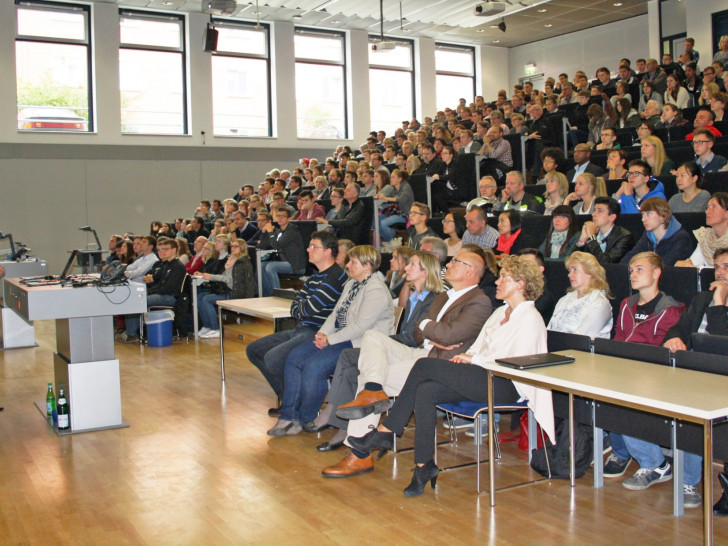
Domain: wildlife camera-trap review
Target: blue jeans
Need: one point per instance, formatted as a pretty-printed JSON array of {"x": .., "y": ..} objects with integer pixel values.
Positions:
[
  {"x": 208, "y": 309},
  {"x": 386, "y": 223},
  {"x": 650, "y": 456},
  {"x": 618, "y": 447},
  {"x": 576, "y": 136},
  {"x": 270, "y": 271},
  {"x": 269, "y": 353},
  {"x": 132, "y": 321},
  {"x": 305, "y": 380}
]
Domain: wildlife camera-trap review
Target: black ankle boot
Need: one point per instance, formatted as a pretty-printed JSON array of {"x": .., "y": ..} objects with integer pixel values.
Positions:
[
  {"x": 422, "y": 474},
  {"x": 720, "y": 508},
  {"x": 373, "y": 440}
]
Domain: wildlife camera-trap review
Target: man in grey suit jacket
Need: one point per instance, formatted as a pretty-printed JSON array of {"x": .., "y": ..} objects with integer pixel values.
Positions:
[
  {"x": 453, "y": 321},
  {"x": 467, "y": 144}
]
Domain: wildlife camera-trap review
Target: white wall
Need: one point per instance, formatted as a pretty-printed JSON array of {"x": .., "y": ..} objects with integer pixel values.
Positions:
[
  {"x": 584, "y": 50},
  {"x": 494, "y": 71},
  {"x": 699, "y": 26}
]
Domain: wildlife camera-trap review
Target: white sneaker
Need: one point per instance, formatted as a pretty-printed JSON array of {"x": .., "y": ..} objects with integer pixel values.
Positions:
[
  {"x": 211, "y": 334},
  {"x": 202, "y": 331}
]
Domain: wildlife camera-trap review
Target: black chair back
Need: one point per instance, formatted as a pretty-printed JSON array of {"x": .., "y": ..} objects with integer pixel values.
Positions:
[
  {"x": 634, "y": 351},
  {"x": 563, "y": 341},
  {"x": 711, "y": 344}
]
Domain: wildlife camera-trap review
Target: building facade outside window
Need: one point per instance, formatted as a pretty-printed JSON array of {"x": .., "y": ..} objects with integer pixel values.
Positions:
[
  {"x": 52, "y": 67},
  {"x": 391, "y": 85},
  {"x": 241, "y": 102},
  {"x": 152, "y": 73},
  {"x": 455, "y": 78},
  {"x": 320, "y": 84}
]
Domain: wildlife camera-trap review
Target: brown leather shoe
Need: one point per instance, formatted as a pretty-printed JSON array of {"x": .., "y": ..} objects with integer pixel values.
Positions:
[
  {"x": 366, "y": 402},
  {"x": 350, "y": 465}
]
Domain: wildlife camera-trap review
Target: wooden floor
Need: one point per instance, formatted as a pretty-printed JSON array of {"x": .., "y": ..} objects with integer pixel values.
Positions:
[{"x": 196, "y": 467}]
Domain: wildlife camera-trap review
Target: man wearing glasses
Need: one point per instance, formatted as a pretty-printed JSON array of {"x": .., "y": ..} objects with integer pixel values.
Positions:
[
  {"x": 703, "y": 141},
  {"x": 639, "y": 186},
  {"x": 312, "y": 305}
]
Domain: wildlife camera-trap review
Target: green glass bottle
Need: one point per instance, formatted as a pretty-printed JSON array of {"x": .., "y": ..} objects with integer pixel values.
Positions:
[
  {"x": 50, "y": 401},
  {"x": 64, "y": 417}
]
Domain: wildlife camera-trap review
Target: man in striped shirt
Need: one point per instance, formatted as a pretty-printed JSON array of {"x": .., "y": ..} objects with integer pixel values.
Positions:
[{"x": 312, "y": 305}]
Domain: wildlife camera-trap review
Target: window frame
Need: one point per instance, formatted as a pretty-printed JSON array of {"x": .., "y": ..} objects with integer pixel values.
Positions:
[
  {"x": 460, "y": 48},
  {"x": 44, "y": 5},
  {"x": 248, "y": 25},
  {"x": 373, "y": 38},
  {"x": 301, "y": 30},
  {"x": 182, "y": 50}
]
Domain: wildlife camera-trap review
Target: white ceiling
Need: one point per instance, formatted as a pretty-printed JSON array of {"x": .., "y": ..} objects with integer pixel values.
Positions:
[{"x": 445, "y": 20}]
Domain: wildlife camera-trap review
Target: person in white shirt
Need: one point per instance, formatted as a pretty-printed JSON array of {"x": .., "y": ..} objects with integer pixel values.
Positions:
[
  {"x": 147, "y": 258},
  {"x": 585, "y": 309}
]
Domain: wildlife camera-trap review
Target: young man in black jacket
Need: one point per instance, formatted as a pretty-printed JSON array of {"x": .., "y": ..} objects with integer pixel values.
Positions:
[
  {"x": 291, "y": 254},
  {"x": 164, "y": 284},
  {"x": 601, "y": 238}
]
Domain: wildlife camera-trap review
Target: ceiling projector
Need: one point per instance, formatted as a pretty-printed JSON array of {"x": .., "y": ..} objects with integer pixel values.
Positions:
[
  {"x": 487, "y": 9},
  {"x": 383, "y": 46},
  {"x": 219, "y": 7}
]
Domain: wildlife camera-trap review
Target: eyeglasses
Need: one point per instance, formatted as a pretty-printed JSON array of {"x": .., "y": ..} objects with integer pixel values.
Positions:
[
  {"x": 700, "y": 142},
  {"x": 456, "y": 261},
  {"x": 505, "y": 278},
  {"x": 446, "y": 221},
  {"x": 315, "y": 247},
  {"x": 417, "y": 212},
  {"x": 631, "y": 174}
]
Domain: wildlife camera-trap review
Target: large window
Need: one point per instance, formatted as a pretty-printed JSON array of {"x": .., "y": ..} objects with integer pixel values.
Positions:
[
  {"x": 52, "y": 63},
  {"x": 152, "y": 73},
  {"x": 391, "y": 86},
  {"x": 455, "y": 79},
  {"x": 241, "y": 80},
  {"x": 320, "y": 84}
]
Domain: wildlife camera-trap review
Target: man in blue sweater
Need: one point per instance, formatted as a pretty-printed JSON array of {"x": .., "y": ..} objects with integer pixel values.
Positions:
[{"x": 312, "y": 305}]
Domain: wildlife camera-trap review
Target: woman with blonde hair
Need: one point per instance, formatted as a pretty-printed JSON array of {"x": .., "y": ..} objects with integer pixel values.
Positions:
[
  {"x": 707, "y": 93},
  {"x": 365, "y": 304},
  {"x": 586, "y": 188},
  {"x": 585, "y": 309},
  {"x": 518, "y": 124},
  {"x": 395, "y": 278},
  {"x": 653, "y": 152},
  {"x": 413, "y": 163},
  {"x": 557, "y": 188},
  {"x": 235, "y": 282}
]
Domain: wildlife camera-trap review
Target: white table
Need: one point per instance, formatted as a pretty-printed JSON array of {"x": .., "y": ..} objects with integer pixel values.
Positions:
[
  {"x": 677, "y": 393},
  {"x": 271, "y": 309}
]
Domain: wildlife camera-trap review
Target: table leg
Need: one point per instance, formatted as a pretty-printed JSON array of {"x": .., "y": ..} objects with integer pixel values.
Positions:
[
  {"x": 195, "y": 323},
  {"x": 708, "y": 482},
  {"x": 598, "y": 456},
  {"x": 259, "y": 271},
  {"x": 491, "y": 449},
  {"x": 222, "y": 342},
  {"x": 572, "y": 464},
  {"x": 678, "y": 474}
]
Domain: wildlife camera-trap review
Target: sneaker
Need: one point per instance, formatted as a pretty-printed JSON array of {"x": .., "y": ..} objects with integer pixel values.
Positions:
[
  {"x": 211, "y": 334},
  {"x": 691, "y": 497},
  {"x": 483, "y": 429},
  {"x": 645, "y": 477},
  {"x": 126, "y": 338},
  {"x": 614, "y": 467},
  {"x": 285, "y": 428},
  {"x": 457, "y": 423},
  {"x": 202, "y": 331}
]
